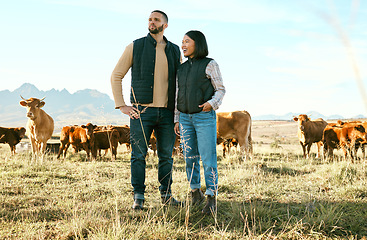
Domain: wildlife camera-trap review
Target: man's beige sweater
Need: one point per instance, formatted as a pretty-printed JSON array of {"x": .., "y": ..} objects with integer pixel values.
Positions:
[{"x": 160, "y": 88}]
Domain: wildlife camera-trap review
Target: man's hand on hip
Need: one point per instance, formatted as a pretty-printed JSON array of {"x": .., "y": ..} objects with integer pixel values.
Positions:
[{"x": 133, "y": 112}]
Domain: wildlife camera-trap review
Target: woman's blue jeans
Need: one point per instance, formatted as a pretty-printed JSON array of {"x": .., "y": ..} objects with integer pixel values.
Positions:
[
  {"x": 199, "y": 140},
  {"x": 161, "y": 121}
]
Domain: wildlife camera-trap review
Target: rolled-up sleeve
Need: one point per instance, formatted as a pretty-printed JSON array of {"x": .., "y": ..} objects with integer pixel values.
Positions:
[{"x": 213, "y": 73}]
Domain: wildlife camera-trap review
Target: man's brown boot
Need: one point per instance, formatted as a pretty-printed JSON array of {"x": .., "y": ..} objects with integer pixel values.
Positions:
[{"x": 210, "y": 206}]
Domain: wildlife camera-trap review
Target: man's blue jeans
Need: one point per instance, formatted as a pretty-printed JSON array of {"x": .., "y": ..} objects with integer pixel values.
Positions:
[
  {"x": 199, "y": 139},
  {"x": 161, "y": 121}
]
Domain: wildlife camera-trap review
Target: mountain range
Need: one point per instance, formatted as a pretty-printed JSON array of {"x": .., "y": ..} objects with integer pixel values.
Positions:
[
  {"x": 81, "y": 107},
  {"x": 85, "y": 106}
]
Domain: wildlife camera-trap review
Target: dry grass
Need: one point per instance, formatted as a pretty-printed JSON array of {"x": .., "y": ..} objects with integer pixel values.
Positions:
[{"x": 277, "y": 195}]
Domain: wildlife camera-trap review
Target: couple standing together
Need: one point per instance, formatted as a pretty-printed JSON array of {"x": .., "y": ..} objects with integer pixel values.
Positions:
[{"x": 171, "y": 98}]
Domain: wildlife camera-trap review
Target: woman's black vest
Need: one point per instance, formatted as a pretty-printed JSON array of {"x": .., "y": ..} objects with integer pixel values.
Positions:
[
  {"x": 194, "y": 88},
  {"x": 142, "y": 70}
]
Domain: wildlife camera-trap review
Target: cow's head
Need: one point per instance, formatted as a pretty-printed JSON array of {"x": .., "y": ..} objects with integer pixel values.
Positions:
[
  {"x": 33, "y": 106},
  {"x": 21, "y": 132},
  {"x": 89, "y": 127},
  {"x": 361, "y": 132},
  {"x": 302, "y": 119}
]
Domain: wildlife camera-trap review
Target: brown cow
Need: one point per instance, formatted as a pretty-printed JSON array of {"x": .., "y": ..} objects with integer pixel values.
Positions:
[
  {"x": 362, "y": 145},
  {"x": 358, "y": 143},
  {"x": 106, "y": 139},
  {"x": 176, "y": 146},
  {"x": 40, "y": 125},
  {"x": 11, "y": 136},
  {"x": 235, "y": 125},
  {"x": 65, "y": 139},
  {"x": 310, "y": 132},
  {"x": 124, "y": 134},
  {"x": 79, "y": 137},
  {"x": 153, "y": 144},
  {"x": 227, "y": 144},
  {"x": 345, "y": 137}
]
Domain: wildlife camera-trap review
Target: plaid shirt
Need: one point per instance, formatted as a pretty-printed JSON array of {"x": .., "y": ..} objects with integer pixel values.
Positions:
[{"x": 213, "y": 73}]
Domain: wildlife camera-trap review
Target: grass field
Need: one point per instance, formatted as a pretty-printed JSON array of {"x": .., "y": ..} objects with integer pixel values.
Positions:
[{"x": 276, "y": 195}]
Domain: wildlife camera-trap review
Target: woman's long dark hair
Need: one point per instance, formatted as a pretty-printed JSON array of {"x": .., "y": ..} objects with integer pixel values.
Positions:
[{"x": 201, "y": 47}]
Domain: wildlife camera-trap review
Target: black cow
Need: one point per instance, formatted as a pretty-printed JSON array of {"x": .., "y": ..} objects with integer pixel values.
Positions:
[{"x": 11, "y": 136}]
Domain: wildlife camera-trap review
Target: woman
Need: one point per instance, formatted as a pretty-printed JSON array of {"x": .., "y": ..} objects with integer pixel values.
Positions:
[{"x": 200, "y": 92}]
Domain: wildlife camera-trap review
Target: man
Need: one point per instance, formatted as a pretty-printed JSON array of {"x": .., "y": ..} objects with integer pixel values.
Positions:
[{"x": 153, "y": 61}]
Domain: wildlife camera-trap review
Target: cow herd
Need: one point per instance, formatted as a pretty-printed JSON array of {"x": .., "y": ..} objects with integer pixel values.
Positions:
[
  {"x": 347, "y": 136},
  {"x": 233, "y": 128},
  {"x": 40, "y": 127},
  {"x": 92, "y": 139}
]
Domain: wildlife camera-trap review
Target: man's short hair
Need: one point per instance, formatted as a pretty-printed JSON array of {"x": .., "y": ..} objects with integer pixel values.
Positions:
[{"x": 163, "y": 13}]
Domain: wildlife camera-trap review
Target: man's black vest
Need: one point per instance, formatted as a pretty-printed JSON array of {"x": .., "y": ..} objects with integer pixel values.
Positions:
[
  {"x": 194, "y": 88},
  {"x": 142, "y": 71}
]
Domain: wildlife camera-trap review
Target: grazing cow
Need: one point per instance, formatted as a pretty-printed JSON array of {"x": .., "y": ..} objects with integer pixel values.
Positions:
[
  {"x": 106, "y": 139},
  {"x": 40, "y": 125},
  {"x": 124, "y": 133},
  {"x": 79, "y": 137},
  {"x": 345, "y": 137},
  {"x": 358, "y": 143},
  {"x": 11, "y": 136},
  {"x": 235, "y": 125},
  {"x": 310, "y": 132}
]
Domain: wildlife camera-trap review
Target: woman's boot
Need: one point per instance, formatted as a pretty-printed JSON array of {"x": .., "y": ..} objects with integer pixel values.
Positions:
[
  {"x": 197, "y": 196},
  {"x": 211, "y": 205}
]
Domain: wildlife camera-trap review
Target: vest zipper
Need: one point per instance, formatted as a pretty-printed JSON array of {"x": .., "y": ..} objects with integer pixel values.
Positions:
[{"x": 186, "y": 92}]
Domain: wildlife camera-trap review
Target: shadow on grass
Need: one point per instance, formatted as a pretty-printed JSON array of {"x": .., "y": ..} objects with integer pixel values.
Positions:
[
  {"x": 283, "y": 171},
  {"x": 327, "y": 218},
  {"x": 255, "y": 217},
  {"x": 18, "y": 213},
  {"x": 268, "y": 218}
]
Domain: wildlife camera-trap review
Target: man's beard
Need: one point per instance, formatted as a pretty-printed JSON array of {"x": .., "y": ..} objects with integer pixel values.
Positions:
[{"x": 156, "y": 30}]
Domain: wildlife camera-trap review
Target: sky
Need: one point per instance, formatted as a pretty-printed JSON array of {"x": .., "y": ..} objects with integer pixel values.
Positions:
[{"x": 275, "y": 56}]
